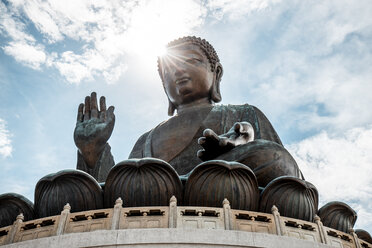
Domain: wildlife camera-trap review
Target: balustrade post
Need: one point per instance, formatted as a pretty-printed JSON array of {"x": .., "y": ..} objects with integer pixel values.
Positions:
[
  {"x": 115, "y": 223},
  {"x": 227, "y": 214},
  {"x": 16, "y": 227},
  {"x": 63, "y": 219},
  {"x": 355, "y": 238},
  {"x": 323, "y": 234},
  {"x": 280, "y": 229},
  {"x": 173, "y": 212}
]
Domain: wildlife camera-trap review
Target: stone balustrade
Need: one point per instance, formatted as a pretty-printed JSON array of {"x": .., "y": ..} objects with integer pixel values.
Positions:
[{"x": 173, "y": 216}]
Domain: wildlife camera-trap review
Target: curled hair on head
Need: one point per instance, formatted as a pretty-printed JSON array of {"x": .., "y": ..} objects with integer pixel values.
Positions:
[
  {"x": 216, "y": 67},
  {"x": 204, "y": 45}
]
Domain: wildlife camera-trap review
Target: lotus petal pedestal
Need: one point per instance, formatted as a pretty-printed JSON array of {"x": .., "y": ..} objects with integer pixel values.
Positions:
[
  {"x": 11, "y": 205},
  {"x": 142, "y": 182},
  {"x": 75, "y": 187},
  {"x": 213, "y": 181},
  {"x": 294, "y": 198},
  {"x": 338, "y": 215}
]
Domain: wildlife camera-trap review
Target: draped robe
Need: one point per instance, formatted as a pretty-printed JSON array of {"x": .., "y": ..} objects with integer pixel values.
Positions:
[{"x": 176, "y": 140}]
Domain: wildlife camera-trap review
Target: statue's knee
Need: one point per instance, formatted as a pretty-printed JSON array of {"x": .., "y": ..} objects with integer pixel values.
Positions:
[{"x": 267, "y": 159}]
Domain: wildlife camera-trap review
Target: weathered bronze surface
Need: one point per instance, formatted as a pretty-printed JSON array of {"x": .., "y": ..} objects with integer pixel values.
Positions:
[
  {"x": 200, "y": 131},
  {"x": 293, "y": 197},
  {"x": 191, "y": 75},
  {"x": 75, "y": 187},
  {"x": 363, "y": 234},
  {"x": 11, "y": 205},
  {"x": 213, "y": 181},
  {"x": 338, "y": 215},
  {"x": 176, "y": 140},
  {"x": 93, "y": 128},
  {"x": 240, "y": 149},
  {"x": 142, "y": 182},
  {"x": 267, "y": 159}
]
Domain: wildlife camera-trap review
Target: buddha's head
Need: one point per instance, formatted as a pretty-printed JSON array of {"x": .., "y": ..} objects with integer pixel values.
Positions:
[{"x": 191, "y": 73}]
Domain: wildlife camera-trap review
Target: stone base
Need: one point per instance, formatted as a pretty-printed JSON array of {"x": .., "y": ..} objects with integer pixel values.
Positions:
[{"x": 166, "y": 237}]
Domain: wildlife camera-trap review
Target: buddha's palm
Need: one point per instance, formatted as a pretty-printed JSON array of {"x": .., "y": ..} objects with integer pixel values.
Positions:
[
  {"x": 93, "y": 128},
  {"x": 215, "y": 145}
]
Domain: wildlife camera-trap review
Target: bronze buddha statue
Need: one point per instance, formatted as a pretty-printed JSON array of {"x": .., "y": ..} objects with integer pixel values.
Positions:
[
  {"x": 191, "y": 73},
  {"x": 202, "y": 154}
]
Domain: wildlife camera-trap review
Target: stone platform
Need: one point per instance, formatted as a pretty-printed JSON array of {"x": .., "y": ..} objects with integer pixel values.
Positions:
[
  {"x": 173, "y": 226},
  {"x": 160, "y": 237}
]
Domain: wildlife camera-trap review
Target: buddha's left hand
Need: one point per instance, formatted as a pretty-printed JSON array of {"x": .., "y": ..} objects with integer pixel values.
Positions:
[{"x": 215, "y": 145}]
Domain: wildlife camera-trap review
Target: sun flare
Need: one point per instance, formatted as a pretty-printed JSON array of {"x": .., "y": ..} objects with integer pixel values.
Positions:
[{"x": 155, "y": 23}]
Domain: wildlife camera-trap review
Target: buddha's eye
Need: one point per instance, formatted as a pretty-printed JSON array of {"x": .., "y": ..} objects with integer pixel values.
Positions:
[{"x": 193, "y": 61}]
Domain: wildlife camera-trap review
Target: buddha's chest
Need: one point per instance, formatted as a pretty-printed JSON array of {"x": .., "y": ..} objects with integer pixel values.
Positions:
[{"x": 173, "y": 136}]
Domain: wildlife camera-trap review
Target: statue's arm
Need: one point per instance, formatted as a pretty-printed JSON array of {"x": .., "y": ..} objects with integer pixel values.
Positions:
[
  {"x": 252, "y": 124},
  {"x": 138, "y": 149},
  {"x": 267, "y": 131},
  {"x": 102, "y": 167},
  {"x": 93, "y": 129}
]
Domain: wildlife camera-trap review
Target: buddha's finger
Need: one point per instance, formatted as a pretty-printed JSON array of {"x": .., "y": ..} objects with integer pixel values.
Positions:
[
  {"x": 227, "y": 143},
  {"x": 200, "y": 153},
  {"x": 238, "y": 127},
  {"x": 87, "y": 109},
  {"x": 223, "y": 141},
  {"x": 202, "y": 140},
  {"x": 80, "y": 113},
  {"x": 93, "y": 105},
  {"x": 110, "y": 113},
  {"x": 102, "y": 103},
  {"x": 243, "y": 127},
  {"x": 102, "y": 108},
  {"x": 206, "y": 143},
  {"x": 210, "y": 134}
]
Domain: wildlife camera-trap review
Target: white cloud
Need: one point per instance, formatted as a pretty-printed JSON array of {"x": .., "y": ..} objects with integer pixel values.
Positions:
[
  {"x": 11, "y": 26},
  {"x": 30, "y": 55},
  {"x": 236, "y": 9},
  {"x": 41, "y": 14},
  {"x": 107, "y": 32},
  {"x": 311, "y": 62},
  {"x": 340, "y": 166},
  {"x": 72, "y": 66},
  {"x": 5, "y": 141}
]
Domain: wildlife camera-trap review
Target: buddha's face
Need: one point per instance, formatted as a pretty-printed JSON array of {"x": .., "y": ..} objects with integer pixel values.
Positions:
[{"x": 187, "y": 74}]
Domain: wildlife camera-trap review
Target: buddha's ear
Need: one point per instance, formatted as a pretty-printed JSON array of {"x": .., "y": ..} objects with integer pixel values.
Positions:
[
  {"x": 171, "y": 108},
  {"x": 215, "y": 91}
]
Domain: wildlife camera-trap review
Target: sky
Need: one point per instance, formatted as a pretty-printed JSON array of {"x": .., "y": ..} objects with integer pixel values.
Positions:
[{"x": 305, "y": 64}]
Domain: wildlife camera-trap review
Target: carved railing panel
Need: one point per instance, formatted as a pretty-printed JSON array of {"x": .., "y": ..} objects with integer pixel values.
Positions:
[
  {"x": 144, "y": 217},
  {"x": 4, "y": 231},
  {"x": 39, "y": 228},
  {"x": 200, "y": 218},
  {"x": 301, "y": 229},
  {"x": 88, "y": 221},
  {"x": 365, "y": 244},
  {"x": 253, "y": 221},
  {"x": 339, "y": 239}
]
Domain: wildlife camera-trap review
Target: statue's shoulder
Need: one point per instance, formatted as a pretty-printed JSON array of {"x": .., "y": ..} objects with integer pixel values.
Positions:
[
  {"x": 138, "y": 149},
  {"x": 234, "y": 108}
]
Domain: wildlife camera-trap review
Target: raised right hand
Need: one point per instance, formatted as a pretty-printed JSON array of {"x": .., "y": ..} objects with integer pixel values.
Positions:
[{"x": 93, "y": 128}]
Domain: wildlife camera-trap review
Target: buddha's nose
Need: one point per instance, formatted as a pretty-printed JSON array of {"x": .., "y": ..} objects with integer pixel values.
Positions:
[{"x": 179, "y": 71}]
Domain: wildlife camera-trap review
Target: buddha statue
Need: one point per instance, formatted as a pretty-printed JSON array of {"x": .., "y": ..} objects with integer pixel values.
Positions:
[
  {"x": 234, "y": 148},
  {"x": 191, "y": 73},
  {"x": 202, "y": 154}
]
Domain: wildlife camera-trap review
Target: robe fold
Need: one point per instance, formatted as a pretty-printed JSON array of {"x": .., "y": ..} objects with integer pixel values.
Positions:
[{"x": 176, "y": 140}]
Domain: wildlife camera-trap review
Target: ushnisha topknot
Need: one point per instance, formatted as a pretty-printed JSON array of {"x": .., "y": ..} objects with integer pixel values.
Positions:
[{"x": 204, "y": 45}]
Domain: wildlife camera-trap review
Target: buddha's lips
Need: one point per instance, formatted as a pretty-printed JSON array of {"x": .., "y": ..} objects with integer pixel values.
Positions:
[{"x": 182, "y": 80}]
